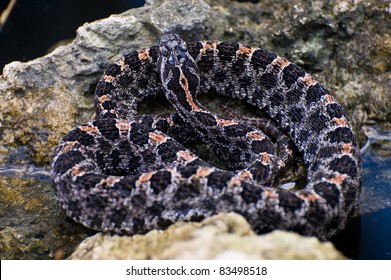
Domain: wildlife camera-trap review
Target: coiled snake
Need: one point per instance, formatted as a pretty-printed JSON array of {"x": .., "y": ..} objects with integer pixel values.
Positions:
[{"x": 127, "y": 173}]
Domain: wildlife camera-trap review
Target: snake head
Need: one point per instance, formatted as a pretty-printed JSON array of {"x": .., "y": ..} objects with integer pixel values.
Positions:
[
  {"x": 173, "y": 50},
  {"x": 178, "y": 71}
]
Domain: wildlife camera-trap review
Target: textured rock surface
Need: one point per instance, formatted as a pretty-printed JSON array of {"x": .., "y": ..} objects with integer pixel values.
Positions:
[
  {"x": 33, "y": 225},
  {"x": 224, "y": 236},
  {"x": 347, "y": 45}
]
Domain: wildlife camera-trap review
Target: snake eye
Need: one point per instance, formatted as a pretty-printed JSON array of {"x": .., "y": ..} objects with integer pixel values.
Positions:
[
  {"x": 164, "y": 51},
  {"x": 182, "y": 47}
]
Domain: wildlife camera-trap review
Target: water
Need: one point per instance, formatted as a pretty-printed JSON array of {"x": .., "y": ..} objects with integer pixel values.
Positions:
[
  {"x": 375, "y": 241},
  {"x": 376, "y": 198},
  {"x": 369, "y": 236}
]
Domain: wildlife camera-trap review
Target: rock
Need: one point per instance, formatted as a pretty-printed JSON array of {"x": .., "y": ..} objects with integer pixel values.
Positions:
[
  {"x": 345, "y": 44},
  {"x": 33, "y": 225},
  {"x": 224, "y": 236}
]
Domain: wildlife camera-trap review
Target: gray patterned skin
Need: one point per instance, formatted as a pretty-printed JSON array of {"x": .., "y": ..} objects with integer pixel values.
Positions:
[{"x": 128, "y": 173}]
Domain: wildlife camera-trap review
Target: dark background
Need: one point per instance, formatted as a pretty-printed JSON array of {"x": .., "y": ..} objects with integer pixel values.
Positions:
[{"x": 34, "y": 26}]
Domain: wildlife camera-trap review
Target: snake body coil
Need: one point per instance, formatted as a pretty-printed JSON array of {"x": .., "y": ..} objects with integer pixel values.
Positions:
[{"x": 128, "y": 173}]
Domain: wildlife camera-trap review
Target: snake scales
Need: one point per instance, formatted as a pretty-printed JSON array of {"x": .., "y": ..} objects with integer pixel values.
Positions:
[{"x": 128, "y": 173}]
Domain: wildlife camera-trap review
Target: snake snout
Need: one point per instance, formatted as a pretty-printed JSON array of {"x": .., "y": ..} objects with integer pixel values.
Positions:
[{"x": 173, "y": 48}]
